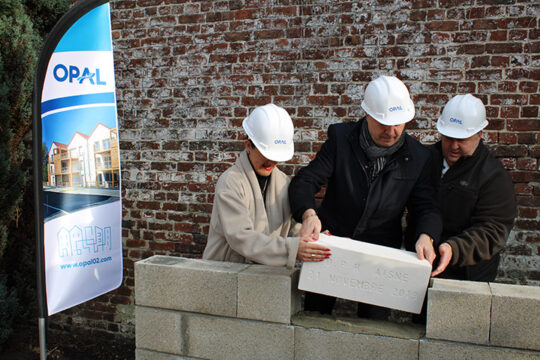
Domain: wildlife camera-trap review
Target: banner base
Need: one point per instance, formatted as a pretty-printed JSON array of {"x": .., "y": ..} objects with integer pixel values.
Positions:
[{"x": 42, "y": 325}]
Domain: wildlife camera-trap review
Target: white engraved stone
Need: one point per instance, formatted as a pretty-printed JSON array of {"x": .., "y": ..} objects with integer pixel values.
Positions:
[{"x": 368, "y": 273}]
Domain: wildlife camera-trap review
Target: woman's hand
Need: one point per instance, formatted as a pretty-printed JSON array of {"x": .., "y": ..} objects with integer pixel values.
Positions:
[{"x": 309, "y": 250}]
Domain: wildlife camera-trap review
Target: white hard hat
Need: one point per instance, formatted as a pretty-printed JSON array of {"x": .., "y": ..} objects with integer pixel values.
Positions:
[
  {"x": 271, "y": 129},
  {"x": 462, "y": 117},
  {"x": 387, "y": 100}
]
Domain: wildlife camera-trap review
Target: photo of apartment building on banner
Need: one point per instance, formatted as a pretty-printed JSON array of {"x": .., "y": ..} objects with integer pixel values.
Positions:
[{"x": 87, "y": 161}]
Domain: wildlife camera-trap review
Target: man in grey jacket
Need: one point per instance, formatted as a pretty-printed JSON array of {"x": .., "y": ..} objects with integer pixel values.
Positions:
[{"x": 251, "y": 218}]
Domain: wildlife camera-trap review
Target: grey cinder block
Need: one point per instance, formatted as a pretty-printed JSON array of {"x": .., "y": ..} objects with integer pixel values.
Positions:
[
  {"x": 158, "y": 329},
  {"x": 313, "y": 343},
  {"x": 459, "y": 311},
  {"x": 268, "y": 293},
  {"x": 515, "y": 316},
  {"x": 214, "y": 337},
  {"x": 192, "y": 285},
  {"x": 437, "y": 350}
]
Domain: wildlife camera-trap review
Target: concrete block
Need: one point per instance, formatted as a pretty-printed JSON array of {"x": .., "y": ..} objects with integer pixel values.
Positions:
[
  {"x": 268, "y": 293},
  {"x": 158, "y": 329},
  {"x": 436, "y": 350},
  {"x": 142, "y": 354},
  {"x": 515, "y": 316},
  {"x": 459, "y": 311},
  {"x": 368, "y": 273},
  {"x": 313, "y": 343},
  {"x": 211, "y": 337},
  {"x": 192, "y": 285}
]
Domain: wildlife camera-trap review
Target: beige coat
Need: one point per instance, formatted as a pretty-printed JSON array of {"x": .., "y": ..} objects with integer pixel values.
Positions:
[{"x": 241, "y": 229}]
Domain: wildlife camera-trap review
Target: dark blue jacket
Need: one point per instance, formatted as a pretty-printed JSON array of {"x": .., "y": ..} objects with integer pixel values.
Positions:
[{"x": 351, "y": 207}]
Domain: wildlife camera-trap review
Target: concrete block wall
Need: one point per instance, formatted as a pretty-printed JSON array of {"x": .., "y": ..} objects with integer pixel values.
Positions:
[{"x": 200, "y": 309}]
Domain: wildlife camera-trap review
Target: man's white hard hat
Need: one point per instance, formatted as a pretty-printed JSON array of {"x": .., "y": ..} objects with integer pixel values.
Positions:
[
  {"x": 462, "y": 117},
  {"x": 271, "y": 129},
  {"x": 387, "y": 100}
]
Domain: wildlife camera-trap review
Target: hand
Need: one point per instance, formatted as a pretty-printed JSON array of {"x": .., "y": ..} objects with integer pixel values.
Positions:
[
  {"x": 311, "y": 225},
  {"x": 310, "y": 250},
  {"x": 424, "y": 248},
  {"x": 446, "y": 255}
]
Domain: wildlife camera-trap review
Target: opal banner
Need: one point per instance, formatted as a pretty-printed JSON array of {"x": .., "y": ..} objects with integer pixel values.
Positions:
[{"x": 80, "y": 182}]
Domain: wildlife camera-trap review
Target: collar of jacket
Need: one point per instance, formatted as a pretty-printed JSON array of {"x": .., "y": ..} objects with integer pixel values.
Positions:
[
  {"x": 269, "y": 217},
  {"x": 251, "y": 175},
  {"x": 463, "y": 164},
  {"x": 354, "y": 140}
]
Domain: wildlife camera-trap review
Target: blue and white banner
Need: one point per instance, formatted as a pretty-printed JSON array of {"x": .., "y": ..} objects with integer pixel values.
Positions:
[{"x": 82, "y": 209}]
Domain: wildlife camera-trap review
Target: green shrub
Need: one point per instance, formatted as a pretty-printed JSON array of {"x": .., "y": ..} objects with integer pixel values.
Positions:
[
  {"x": 23, "y": 26},
  {"x": 8, "y": 309}
]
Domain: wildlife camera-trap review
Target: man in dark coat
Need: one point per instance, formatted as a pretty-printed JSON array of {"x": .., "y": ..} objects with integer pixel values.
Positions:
[
  {"x": 373, "y": 171},
  {"x": 475, "y": 194}
]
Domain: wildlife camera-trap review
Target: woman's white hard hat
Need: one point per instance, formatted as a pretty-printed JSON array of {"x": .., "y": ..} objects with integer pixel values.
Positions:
[
  {"x": 462, "y": 117},
  {"x": 388, "y": 101},
  {"x": 271, "y": 129}
]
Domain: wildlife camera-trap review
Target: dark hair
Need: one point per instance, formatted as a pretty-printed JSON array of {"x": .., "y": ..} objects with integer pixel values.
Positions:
[{"x": 250, "y": 141}]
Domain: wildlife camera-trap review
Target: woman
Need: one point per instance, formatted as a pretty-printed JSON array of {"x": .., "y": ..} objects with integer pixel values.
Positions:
[{"x": 251, "y": 218}]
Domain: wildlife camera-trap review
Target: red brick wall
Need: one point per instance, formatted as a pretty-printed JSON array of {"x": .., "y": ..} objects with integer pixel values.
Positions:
[{"x": 188, "y": 72}]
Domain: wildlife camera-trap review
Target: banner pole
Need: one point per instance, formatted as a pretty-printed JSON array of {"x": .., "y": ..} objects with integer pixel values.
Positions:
[
  {"x": 38, "y": 212},
  {"x": 42, "y": 324}
]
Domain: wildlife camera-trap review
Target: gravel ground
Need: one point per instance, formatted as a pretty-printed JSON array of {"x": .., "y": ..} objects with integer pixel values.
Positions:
[{"x": 24, "y": 345}]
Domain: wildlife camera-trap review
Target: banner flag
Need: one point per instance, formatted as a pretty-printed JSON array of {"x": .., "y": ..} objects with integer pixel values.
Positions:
[{"x": 80, "y": 181}]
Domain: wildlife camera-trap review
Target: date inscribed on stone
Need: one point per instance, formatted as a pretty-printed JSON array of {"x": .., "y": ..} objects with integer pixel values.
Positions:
[{"x": 368, "y": 273}]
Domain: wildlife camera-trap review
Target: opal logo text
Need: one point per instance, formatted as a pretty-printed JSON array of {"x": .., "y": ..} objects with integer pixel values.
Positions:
[
  {"x": 279, "y": 141},
  {"x": 395, "y": 108},
  {"x": 70, "y": 73},
  {"x": 457, "y": 121}
]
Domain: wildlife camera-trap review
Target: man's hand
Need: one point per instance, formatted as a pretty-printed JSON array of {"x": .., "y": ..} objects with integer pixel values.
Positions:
[
  {"x": 310, "y": 250},
  {"x": 424, "y": 248},
  {"x": 311, "y": 225},
  {"x": 446, "y": 255}
]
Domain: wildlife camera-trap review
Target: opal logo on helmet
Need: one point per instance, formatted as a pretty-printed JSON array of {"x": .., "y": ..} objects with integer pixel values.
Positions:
[
  {"x": 457, "y": 121},
  {"x": 279, "y": 141},
  {"x": 395, "y": 108}
]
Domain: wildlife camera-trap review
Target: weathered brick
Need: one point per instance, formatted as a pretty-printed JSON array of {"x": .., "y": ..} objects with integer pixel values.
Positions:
[
  {"x": 504, "y": 48},
  {"x": 529, "y": 112}
]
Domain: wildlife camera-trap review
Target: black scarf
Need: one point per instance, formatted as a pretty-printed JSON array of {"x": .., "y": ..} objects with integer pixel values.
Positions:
[{"x": 377, "y": 155}]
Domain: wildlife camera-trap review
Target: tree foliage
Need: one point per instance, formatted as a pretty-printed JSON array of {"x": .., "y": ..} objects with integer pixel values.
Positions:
[
  {"x": 18, "y": 48},
  {"x": 23, "y": 26}
]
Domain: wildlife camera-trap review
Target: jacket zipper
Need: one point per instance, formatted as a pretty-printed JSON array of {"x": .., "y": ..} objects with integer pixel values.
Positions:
[{"x": 363, "y": 219}]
